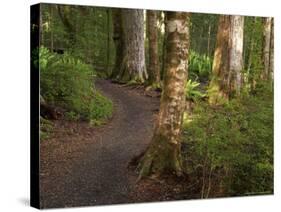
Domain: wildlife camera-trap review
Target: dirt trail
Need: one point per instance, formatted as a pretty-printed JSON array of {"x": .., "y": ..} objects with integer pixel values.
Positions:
[{"x": 82, "y": 166}]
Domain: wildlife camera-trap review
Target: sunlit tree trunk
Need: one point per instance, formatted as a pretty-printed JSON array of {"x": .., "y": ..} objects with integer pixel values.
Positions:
[
  {"x": 236, "y": 53},
  {"x": 228, "y": 60},
  {"x": 266, "y": 47},
  {"x": 152, "y": 32},
  {"x": 163, "y": 154},
  {"x": 118, "y": 41},
  {"x": 133, "y": 61}
]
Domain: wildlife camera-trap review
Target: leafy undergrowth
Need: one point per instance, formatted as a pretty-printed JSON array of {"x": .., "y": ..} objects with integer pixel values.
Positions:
[
  {"x": 46, "y": 127},
  {"x": 229, "y": 149},
  {"x": 68, "y": 83}
]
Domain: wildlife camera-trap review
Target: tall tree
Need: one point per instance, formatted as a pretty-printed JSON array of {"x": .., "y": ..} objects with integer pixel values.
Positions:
[
  {"x": 228, "y": 60},
  {"x": 133, "y": 61},
  {"x": 118, "y": 41},
  {"x": 266, "y": 47},
  {"x": 163, "y": 154},
  {"x": 152, "y": 32},
  {"x": 271, "y": 66}
]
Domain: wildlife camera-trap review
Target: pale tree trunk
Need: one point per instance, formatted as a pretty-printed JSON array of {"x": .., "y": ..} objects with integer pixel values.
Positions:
[
  {"x": 266, "y": 48},
  {"x": 271, "y": 63},
  {"x": 163, "y": 47},
  {"x": 118, "y": 41},
  {"x": 228, "y": 60},
  {"x": 152, "y": 32},
  {"x": 133, "y": 64},
  {"x": 163, "y": 154},
  {"x": 236, "y": 52}
]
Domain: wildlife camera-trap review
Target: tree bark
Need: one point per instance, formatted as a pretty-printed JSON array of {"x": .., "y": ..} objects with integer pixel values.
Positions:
[
  {"x": 118, "y": 42},
  {"x": 271, "y": 62},
  {"x": 152, "y": 32},
  {"x": 266, "y": 48},
  {"x": 228, "y": 60},
  {"x": 133, "y": 61},
  {"x": 236, "y": 52},
  {"x": 163, "y": 154}
]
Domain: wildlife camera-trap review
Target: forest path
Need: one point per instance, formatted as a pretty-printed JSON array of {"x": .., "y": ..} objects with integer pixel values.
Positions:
[{"x": 82, "y": 166}]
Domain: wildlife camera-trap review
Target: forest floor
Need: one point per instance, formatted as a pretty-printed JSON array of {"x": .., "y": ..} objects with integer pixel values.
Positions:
[{"x": 82, "y": 165}]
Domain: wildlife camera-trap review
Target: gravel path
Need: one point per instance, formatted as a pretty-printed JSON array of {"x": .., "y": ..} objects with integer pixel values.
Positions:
[{"x": 83, "y": 166}]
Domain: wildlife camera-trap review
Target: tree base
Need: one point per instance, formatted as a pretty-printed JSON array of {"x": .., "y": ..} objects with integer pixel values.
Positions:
[{"x": 161, "y": 157}]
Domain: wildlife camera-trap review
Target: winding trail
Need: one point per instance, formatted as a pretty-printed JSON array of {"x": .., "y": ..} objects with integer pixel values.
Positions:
[{"x": 82, "y": 166}]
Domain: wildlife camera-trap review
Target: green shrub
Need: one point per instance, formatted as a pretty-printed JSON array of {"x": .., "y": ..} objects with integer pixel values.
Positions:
[
  {"x": 199, "y": 65},
  {"x": 46, "y": 127},
  {"x": 231, "y": 146},
  {"x": 101, "y": 109},
  {"x": 67, "y": 82},
  {"x": 192, "y": 91}
]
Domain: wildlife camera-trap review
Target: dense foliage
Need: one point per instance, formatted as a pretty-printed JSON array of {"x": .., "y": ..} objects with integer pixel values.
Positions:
[
  {"x": 71, "y": 83},
  {"x": 231, "y": 146}
]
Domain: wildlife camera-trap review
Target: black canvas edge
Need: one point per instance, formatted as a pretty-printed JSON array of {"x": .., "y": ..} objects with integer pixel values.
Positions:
[{"x": 34, "y": 106}]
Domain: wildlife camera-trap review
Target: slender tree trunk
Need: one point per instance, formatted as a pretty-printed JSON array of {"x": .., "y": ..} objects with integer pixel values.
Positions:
[
  {"x": 152, "y": 32},
  {"x": 133, "y": 64},
  {"x": 51, "y": 26},
  {"x": 271, "y": 64},
  {"x": 209, "y": 39},
  {"x": 164, "y": 47},
  {"x": 228, "y": 60},
  {"x": 266, "y": 48},
  {"x": 163, "y": 154},
  {"x": 249, "y": 65},
  {"x": 118, "y": 42},
  {"x": 108, "y": 40}
]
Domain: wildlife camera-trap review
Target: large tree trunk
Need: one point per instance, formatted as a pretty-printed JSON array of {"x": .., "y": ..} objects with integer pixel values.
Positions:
[
  {"x": 163, "y": 154},
  {"x": 152, "y": 32},
  {"x": 133, "y": 62},
  {"x": 236, "y": 52},
  {"x": 118, "y": 41},
  {"x": 228, "y": 60},
  {"x": 266, "y": 48}
]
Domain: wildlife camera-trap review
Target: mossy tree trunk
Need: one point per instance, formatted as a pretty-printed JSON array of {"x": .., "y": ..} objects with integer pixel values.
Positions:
[
  {"x": 228, "y": 60},
  {"x": 267, "y": 48},
  {"x": 133, "y": 61},
  {"x": 118, "y": 41},
  {"x": 152, "y": 32},
  {"x": 271, "y": 64},
  {"x": 163, "y": 155}
]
